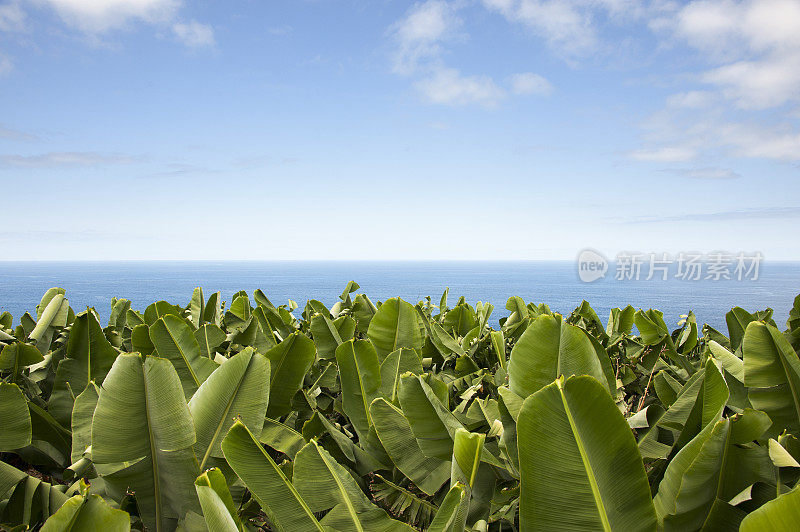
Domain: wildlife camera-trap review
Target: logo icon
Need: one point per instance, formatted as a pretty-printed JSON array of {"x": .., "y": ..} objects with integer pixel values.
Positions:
[{"x": 592, "y": 265}]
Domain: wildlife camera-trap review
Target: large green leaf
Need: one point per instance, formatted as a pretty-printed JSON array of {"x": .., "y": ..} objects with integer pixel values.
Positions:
[
  {"x": 173, "y": 339},
  {"x": 732, "y": 364},
  {"x": 81, "y": 420},
  {"x": 329, "y": 334},
  {"x": 393, "y": 366},
  {"x": 281, "y": 437},
  {"x": 499, "y": 346},
  {"x": 360, "y": 376},
  {"x": 714, "y": 466},
  {"x": 460, "y": 320},
  {"x": 432, "y": 423},
  {"x": 737, "y": 320},
  {"x": 446, "y": 519},
  {"x": 699, "y": 402},
  {"x": 394, "y": 432},
  {"x": 89, "y": 357},
  {"x": 209, "y": 337},
  {"x": 772, "y": 375},
  {"x": 30, "y": 502},
  {"x": 396, "y": 325},
  {"x": 654, "y": 333},
  {"x": 197, "y": 307},
  {"x": 50, "y": 440},
  {"x": 15, "y": 418},
  {"x": 159, "y": 309},
  {"x": 142, "y": 438},
  {"x": 10, "y": 476},
  {"x": 326, "y": 484},
  {"x": 467, "y": 450},
  {"x": 16, "y": 356},
  {"x": 286, "y": 509},
  {"x": 215, "y": 499},
  {"x": 779, "y": 515},
  {"x": 239, "y": 389},
  {"x": 53, "y": 313},
  {"x": 290, "y": 361},
  {"x": 85, "y": 513},
  {"x": 547, "y": 349},
  {"x": 580, "y": 467}
]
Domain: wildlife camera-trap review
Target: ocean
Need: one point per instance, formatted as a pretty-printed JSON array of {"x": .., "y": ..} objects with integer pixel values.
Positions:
[{"x": 554, "y": 283}]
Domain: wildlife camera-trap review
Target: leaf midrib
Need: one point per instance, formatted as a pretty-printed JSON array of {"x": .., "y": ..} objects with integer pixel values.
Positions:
[
  {"x": 361, "y": 384},
  {"x": 224, "y": 416},
  {"x": 153, "y": 457},
  {"x": 585, "y": 460},
  {"x": 348, "y": 503},
  {"x": 180, "y": 350},
  {"x": 286, "y": 481}
]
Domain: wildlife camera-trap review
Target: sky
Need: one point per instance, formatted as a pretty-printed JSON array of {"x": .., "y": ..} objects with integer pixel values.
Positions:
[{"x": 348, "y": 130}]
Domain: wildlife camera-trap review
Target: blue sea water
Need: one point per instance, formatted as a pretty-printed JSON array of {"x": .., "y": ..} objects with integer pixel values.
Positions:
[{"x": 554, "y": 283}]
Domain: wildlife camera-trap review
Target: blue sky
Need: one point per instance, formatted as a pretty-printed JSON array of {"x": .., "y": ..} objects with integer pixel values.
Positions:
[{"x": 494, "y": 129}]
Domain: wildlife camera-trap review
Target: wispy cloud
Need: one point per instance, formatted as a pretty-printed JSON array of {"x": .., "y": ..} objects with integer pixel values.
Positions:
[
  {"x": 9, "y": 133},
  {"x": 756, "y": 43},
  {"x": 565, "y": 25},
  {"x": 441, "y": 126},
  {"x": 6, "y": 65},
  {"x": 526, "y": 83},
  {"x": 65, "y": 160},
  {"x": 280, "y": 30},
  {"x": 751, "y": 53},
  {"x": 99, "y": 16},
  {"x": 178, "y": 170},
  {"x": 666, "y": 154},
  {"x": 421, "y": 32},
  {"x": 257, "y": 161},
  {"x": 448, "y": 86},
  {"x": 421, "y": 36},
  {"x": 742, "y": 214},
  {"x": 194, "y": 34},
  {"x": 708, "y": 172},
  {"x": 87, "y": 235},
  {"x": 12, "y": 17}
]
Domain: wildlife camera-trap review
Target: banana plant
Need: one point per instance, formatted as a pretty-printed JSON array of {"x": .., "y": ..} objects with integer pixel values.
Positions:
[{"x": 354, "y": 416}]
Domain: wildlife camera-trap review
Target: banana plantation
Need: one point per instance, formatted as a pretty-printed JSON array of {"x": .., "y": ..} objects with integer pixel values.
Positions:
[{"x": 393, "y": 416}]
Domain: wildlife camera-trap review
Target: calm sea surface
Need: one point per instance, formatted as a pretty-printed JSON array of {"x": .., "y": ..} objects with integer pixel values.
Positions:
[{"x": 554, "y": 283}]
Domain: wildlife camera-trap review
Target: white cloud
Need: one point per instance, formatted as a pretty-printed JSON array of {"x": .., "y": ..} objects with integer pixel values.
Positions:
[
  {"x": 12, "y": 17},
  {"x": 441, "y": 126},
  {"x": 566, "y": 25},
  {"x": 710, "y": 172},
  {"x": 766, "y": 142},
  {"x": 529, "y": 83},
  {"x": 751, "y": 53},
  {"x": 99, "y": 16},
  {"x": 64, "y": 159},
  {"x": 448, "y": 86},
  {"x": 9, "y": 133},
  {"x": 419, "y": 34},
  {"x": 759, "y": 84},
  {"x": 726, "y": 28},
  {"x": 691, "y": 99},
  {"x": 755, "y": 46},
  {"x": 5, "y": 64},
  {"x": 280, "y": 30},
  {"x": 194, "y": 34},
  {"x": 666, "y": 154}
]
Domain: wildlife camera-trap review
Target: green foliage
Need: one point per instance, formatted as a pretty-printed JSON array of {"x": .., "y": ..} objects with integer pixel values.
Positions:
[{"x": 393, "y": 416}]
